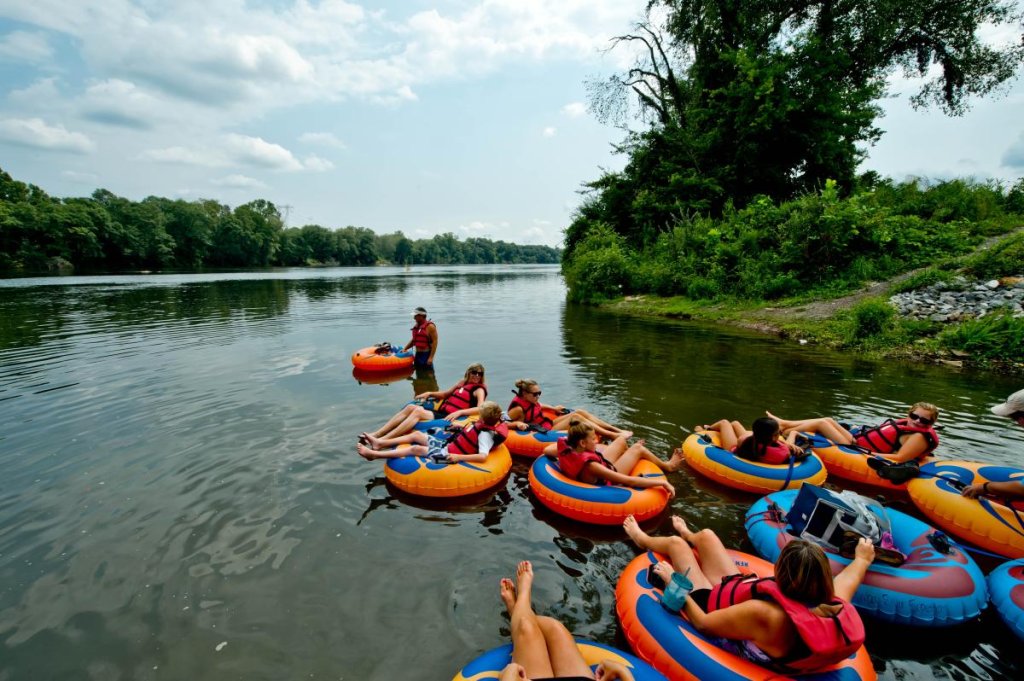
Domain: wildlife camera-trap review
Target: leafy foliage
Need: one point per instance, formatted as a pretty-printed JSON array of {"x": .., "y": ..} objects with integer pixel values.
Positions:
[
  {"x": 993, "y": 337},
  {"x": 109, "y": 232},
  {"x": 775, "y": 98},
  {"x": 1003, "y": 258},
  {"x": 818, "y": 243}
]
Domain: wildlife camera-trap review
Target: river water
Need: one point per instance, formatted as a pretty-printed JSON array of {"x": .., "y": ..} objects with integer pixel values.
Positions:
[{"x": 181, "y": 498}]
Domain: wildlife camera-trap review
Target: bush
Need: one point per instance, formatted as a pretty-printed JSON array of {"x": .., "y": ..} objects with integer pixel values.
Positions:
[
  {"x": 994, "y": 337},
  {"x": 1006, "y": 257},
  {"x": 600, "y": 267},
  {"x": 871, "y": 317}
]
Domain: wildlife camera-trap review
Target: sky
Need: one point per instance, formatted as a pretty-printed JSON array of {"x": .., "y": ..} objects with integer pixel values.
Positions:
[{"x": 425, "y": 116}]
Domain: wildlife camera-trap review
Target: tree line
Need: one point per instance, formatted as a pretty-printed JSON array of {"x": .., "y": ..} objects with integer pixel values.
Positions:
[{"x": 106, "y": 232}]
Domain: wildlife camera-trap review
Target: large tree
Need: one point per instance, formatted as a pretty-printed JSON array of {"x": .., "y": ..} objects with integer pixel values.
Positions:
[{"x": 773, "y": 97}]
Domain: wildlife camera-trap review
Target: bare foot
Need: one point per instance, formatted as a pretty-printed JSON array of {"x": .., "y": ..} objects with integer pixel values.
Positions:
[
  {"x": 508, "y": 593},
  {"x": 632, "y": 528},
  {"x": 626, "y": 434},
  {"x": 676, "y": 461},
  {"x": 524, "y": 576},
  {"x": 366, "y": 452},
  {"x": 783, "y": 423},
  {"x": 681, "y": 528}
]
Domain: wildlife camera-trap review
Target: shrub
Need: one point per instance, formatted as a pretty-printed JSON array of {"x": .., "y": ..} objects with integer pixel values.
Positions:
[
  {"x": 994, "y": 337},
  {"x": 1006, "y": 257},
  {"x": 599, "y": 268},
  {"x": 871, "y": 317}
]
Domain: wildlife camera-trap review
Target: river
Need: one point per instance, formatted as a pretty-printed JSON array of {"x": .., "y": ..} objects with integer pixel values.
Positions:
[{"x": 181, "y": 498}]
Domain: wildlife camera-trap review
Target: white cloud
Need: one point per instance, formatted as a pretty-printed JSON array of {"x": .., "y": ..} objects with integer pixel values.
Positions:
[
  {"x": 25, "y": 46},
  {"x": 36, "y": 95},
  {"x": 185, "y": 156},
  {"x": 239, "y": 182},
  {"x": 574, "y": 109},
  {"x": 35, "y": 132},
  {"x": 121, "y": 103},
  {"x": 549, "y": 131},
  {"x": 81, "y": 178},
  {"x": 256, "y": 151},
  {"x": 317, "y": 164},
  {"x": 321, "y": 139}
]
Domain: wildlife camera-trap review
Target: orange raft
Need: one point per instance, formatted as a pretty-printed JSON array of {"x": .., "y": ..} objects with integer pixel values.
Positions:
[
  {"x": 705, "y": 455},
  {"x": 851, "y": 463},
  {"x": 674, "y": 647},
  {"x": 383, "y": 357},
  {"x": 429, "y": 478},
  {"x": 598, "y": 504},
  {"x": 992, "y": 524},
  {"x": 531, "y": 443}
]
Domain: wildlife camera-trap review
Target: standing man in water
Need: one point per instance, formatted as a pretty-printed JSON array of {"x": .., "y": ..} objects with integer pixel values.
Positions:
[
  {"x": 424, "y": 337},
  {"x": 1012, "y": 408}
]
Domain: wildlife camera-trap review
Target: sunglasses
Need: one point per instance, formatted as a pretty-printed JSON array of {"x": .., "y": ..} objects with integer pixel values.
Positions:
[
  {"x": 536, "y": 393},
  {"x": 478, "y": 373},
  {"x": 921, "y": 419}
]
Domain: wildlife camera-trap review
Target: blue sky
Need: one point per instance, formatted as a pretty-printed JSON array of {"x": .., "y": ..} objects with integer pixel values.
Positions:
[{"x": 442, "y": 116}]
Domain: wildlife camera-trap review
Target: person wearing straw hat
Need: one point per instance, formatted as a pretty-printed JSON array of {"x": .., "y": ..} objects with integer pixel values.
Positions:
[
  {"x": 1013, "y": 408},
  {"x": 424, "y": 338}
]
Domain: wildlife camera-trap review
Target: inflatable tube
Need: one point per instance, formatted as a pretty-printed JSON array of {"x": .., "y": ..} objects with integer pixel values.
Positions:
[
  {"x": 489, "y": 665},
  {"x": 851, "y": 463},
  {"x": 930, "y": 589},
  {"x": 425, "y": 477},
  {"x": 990, "y": 524},
  {"x": 531, "y": 443},
  {"x": 598, "y": 504},
  {"x": 703, "y": 453},
  {"x": 675, "y": 647},
  {"x": 1006, "y": 584},
  {"x": 368, "y": 359}
]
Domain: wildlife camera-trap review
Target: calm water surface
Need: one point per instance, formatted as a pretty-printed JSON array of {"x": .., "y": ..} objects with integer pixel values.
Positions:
[{"x": 180, "y": 497}]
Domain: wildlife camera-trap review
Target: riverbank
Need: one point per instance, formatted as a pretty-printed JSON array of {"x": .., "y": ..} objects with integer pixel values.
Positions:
[{"x": 951, "y": 324}]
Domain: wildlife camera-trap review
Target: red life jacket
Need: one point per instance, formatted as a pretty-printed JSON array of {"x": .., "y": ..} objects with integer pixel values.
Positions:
[
  {"x": 776, "y": 452},
  {"x": 885, "y": 437},
  {"x": 572, "y": 463},
  {"x": 467, "y": 440},
  {"x": 532, "y": 412},
  {"x": 826, "y": 640},
  {"x": 462, "y": 397},
  {"x": 420, "y": 338}
]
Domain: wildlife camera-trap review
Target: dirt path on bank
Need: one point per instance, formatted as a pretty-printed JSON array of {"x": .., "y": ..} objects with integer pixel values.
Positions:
[{"x": 823, "y": 309}]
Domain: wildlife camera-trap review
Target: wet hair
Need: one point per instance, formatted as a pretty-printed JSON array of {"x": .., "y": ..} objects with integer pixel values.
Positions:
[
  {"x": 928, "y": 407},
  {"x": 474, "y": 367},
  {"x": 523, "y": 385},
  {"x": 578, "y": 431},
  {"x": 490, "y": 412},
  {"x": 764, "y": 430},
  {"x": 803, "y": 573}
]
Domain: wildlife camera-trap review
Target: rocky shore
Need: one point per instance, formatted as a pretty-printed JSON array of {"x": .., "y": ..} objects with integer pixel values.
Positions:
[{"x": 962, "y": 299}]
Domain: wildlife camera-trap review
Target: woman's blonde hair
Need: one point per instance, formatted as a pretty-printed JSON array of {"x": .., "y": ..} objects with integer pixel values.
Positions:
[
  {"x": 577, "y": 432},
  {"x": 803, "y": 573},
  {"x": 927, "y": 406},
  {"x": 490, "y": 412},
  {"x": 474, "y": 367},
  {"x": 523, "y": 384}
]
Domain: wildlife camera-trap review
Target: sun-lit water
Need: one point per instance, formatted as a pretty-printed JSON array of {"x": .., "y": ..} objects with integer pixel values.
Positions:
[{"x": 180, "y": 496}]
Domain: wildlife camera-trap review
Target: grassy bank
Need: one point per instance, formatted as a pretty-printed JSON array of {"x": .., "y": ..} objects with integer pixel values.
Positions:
[{"x": 863, "y": 323}]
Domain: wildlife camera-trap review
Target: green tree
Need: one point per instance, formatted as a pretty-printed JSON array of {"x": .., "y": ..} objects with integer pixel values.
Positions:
[{"x": 775, "y": 97}]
